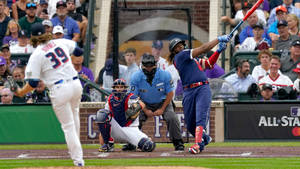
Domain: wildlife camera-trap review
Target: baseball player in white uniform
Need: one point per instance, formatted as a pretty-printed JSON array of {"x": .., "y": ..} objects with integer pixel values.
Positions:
[
  {"x": 51, "y": 63},
  {"x": 119, "y": 120}
]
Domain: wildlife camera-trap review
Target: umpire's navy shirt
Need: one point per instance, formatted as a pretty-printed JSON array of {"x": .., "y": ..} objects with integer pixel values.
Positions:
[{"x": 162, "y": 84}]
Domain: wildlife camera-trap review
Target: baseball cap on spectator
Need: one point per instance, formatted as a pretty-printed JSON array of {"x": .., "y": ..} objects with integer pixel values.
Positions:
[
  {"x": 5, "y": 46},
  {"x": 157, "y": 44},
  {"x": 297, "y": 69},
  {"x": 109, "y": 67},
  {"x": 281, "y": 8},
  {"x": 30, "y": 5},
  {"x": 22, "y": 33},
  {"x": 47, "y": 22},
  {"x": 78, "y": 52},
  {"x": 61, "y": 3},
  {"x": 58, "y": 29},
  {"x": 43, "y": 2},
  {"x": 282, "y": 23},
  {"x": 267, "y": 86},
  {"x": 258, "y": 25},
  {"x": 2, "y": 61},
  {"x": 246, "y": 5},
  {"x": 296, "y": 42}
]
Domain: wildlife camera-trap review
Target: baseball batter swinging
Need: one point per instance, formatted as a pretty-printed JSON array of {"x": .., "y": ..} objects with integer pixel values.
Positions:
[
  {"x": 51, "y": 63},
  {"x": 197, "y": 95},
  {"x": 119, "y": 119}
]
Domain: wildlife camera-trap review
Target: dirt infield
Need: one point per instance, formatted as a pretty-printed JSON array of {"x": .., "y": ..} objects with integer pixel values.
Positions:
[{"x": 209, "y": 152}]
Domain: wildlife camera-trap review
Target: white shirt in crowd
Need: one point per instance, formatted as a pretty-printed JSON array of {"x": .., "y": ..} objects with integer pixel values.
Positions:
[
  {"x": 279, "y": 82},
  {"x": 21, "y": 49},
  {"x": 259, "y": 72}
]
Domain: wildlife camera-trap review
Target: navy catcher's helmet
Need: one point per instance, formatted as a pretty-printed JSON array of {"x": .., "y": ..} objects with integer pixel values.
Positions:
[
  {"x": 119, "y": 94},
  {"x": 119, "y": 82},
  {"x": 174, "y": 42},
  {"x": 148, "y": 60}
]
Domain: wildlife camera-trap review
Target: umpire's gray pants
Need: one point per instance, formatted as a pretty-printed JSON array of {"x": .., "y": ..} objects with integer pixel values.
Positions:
[{"x": 171, "y": 119}]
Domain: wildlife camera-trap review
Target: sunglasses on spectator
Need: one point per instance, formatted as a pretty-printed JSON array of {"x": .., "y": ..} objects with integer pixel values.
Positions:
[{"x": 29, "y": 5}]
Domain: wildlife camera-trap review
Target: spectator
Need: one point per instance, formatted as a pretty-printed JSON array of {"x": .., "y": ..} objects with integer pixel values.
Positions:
[
  {"x": 18, "y": 76},
  {"x": 26, "y": 21},
  {"x": 3, "y": 72},
  {"x": 281, "y": 14},
  {"x": 3, "y": 20},
  {"x": 285, "y": 38},
  {"x": 58, "y": 32},
  {"x": 246, "y": 6},
  {"x": 290, "y": 9},
  {"x": 42, "y": 10},
  {"x": 130, "y": 58},
  {"x": 155, "y": 89},
  {"x": 11, "y": 64},
  {"x": 48, "y": 26},
  {"x": 263, "y": 69},
  {"x": 257, "y": 42},
  {"x": 266, "y": 92},
  {"x": 290, "y": 62},
  {"x": 157, "y": 46},
  {"x": 11, "y": 36},
  {"x": 248, "y": 30},
  {"x": 40, "y": 94},
  {"x": 241, "y": 80},
  {"x": 6, "y": 96},
  {"x": 293, "y": 24},
  {"x": 274, "y": 78},
  {"x": 297, "y": 81},
  {"x": 84, "y": 72},
  {"x": 216, "y": 71},
  {"x": 71, "y": 29},
  {"x": 81, "y": 19},
  {"x": 19, "y": 9},
  {"x": 108, "y": 74},
  {"x": 23, "y": 45}
]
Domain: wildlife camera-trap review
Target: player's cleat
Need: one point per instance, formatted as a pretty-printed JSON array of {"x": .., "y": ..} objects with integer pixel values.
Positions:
[
  {"x": 178, "y": 144},
  {"x": 206, "y": 139},
  {"x": 79, "y": 164},
  {"x": 196, "y": 148},
  {"x": 129, "y": 147},
  {"x": 106, "y": 148}
]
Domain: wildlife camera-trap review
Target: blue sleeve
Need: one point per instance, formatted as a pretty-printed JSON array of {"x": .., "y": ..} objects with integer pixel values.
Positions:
[
  {"x": 267, "y": 37},
  {"x": 75, "y": 27},
  {"x": 169, "y": 85},
  {"x": 33, "y": 82},
  {"x": 243, "y": 35},
  {"x": 134, "y": 84},
  {"x": 272, "y": 17}
]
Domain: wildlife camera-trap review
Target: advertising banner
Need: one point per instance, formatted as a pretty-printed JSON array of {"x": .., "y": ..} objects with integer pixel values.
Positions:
[{"x": 262, "y": 120}]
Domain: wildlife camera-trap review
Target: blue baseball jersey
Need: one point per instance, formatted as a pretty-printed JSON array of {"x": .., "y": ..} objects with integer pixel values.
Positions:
[
  {"x": 162, "y": 84},
  {"x": 189, "y": 68}
]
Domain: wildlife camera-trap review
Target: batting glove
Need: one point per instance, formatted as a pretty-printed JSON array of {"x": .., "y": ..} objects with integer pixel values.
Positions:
[
  {"x": 224, "y": 38},
  {"x": 222, "y": 46}
]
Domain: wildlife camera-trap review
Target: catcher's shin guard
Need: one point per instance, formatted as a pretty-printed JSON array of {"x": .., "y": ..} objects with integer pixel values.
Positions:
[
  {"x": 146, "y": 145},
  {"x": 105, "y": 131}
]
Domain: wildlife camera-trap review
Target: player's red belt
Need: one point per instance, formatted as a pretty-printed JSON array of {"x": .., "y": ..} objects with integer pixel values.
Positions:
[
  {"x": 61, "y": 80},
  {"x": 195, "y": 85}
]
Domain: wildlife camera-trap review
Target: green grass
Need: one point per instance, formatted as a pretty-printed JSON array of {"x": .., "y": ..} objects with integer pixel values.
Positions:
[{"x": 219, "y": 163}]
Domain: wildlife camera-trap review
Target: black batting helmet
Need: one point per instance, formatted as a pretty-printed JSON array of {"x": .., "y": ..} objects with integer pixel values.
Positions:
[
  {"x": 174, "y": 42},
  {"x": 148, "y": 60}
]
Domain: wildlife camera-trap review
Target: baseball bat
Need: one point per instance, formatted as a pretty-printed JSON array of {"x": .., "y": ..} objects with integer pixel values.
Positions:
[{"x": 249, "y": 12}]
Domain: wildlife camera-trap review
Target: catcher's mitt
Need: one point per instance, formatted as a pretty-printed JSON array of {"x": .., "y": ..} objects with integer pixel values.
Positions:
[
  {"x": 12, "y": 84},
  {"x": 133, "y": 110}
]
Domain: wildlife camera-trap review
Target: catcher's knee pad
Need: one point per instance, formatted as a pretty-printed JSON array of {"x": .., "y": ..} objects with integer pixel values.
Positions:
[
  {"x": 146, "y": 145},
  {"x": 103, "y": 116}
]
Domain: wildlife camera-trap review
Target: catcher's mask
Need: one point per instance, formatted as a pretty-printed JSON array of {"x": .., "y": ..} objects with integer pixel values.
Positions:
[
  {"x": 149, "y": 61},
  {"x": 117, "y": 89}
]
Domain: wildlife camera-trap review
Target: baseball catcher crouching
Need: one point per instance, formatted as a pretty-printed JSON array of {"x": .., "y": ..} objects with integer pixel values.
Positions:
[{"x": 119, "y": 121}]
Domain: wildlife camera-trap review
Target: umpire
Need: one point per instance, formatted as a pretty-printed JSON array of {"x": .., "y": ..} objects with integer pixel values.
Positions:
[{"x": 154, "y": 87}]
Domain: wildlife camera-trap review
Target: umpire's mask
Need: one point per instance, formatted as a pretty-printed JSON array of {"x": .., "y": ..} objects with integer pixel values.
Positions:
[{"x": 149, "y": 66}]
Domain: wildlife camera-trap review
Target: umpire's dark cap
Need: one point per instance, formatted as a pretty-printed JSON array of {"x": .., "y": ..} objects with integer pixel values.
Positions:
[
  {"x": 148, "y": 60},
  {"x": 296, "y": 42},
  {"x": 37, "y": 29},
  {"x": 267, "y": 86}
]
